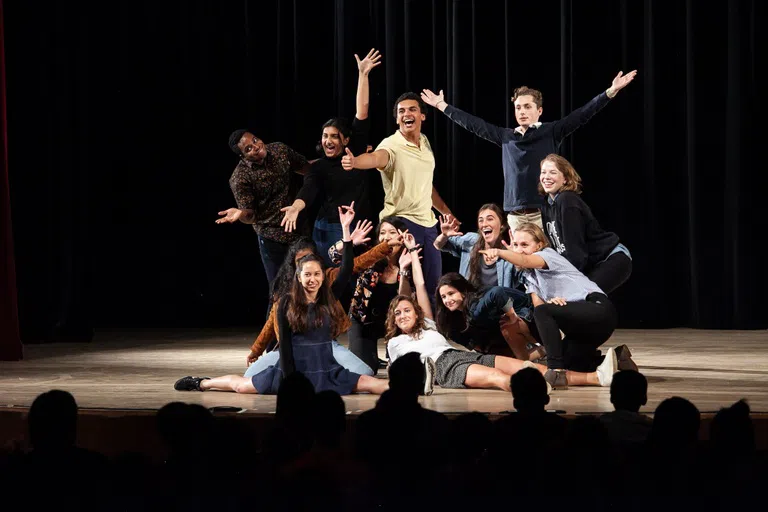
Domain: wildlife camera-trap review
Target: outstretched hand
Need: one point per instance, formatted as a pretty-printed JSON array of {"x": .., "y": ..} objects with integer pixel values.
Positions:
[
  {"x": 431, "y": 98},
  {"x": 290, "y": 217},
  {"x": 347, "y": 214},
  {"x": 449, "y": 225},
  {"x": 406, "y": 258},
  {"x": 348, "y": 160},
  {"x": 370, "y": 61},
  {"x": 360, "y": 234},
  {"x": 620, "y": 82},
  {"x": 229, "y": 216},
  {"x": 491, "y": 253}
]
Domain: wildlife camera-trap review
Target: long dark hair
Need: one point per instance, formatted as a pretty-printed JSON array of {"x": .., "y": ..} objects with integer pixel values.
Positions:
[
  {"x": 474, "y": 258},
  {"x": 452, "y": 321},
  {"x": 325, "y": 305},
  {"x": 285, "y": 277}
]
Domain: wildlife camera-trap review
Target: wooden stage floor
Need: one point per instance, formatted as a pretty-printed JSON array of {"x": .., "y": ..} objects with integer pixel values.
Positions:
[{"x": 135, "y": 370}]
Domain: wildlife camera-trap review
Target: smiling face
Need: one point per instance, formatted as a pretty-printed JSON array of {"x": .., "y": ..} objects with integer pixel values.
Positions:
[
  {"x": 489, "y": 226},
  {"x": 452, "y": 298},
  {"x": 551, "y": 178},
  {"x": 524, "y": 243},
  {"x": 311, "y": 276},
  {"x": 405, "y": 316},
  {"x": 526, "y": 111},
  {"x": 252, "y": 148},
  {"x": 387, "y": 232},
  {"x": 409, "y": 117},
  {"x": 333, "y": 142}
]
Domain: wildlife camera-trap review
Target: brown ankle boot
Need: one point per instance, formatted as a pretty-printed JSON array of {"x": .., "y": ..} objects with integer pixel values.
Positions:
[{"x": 557, "y": 379}]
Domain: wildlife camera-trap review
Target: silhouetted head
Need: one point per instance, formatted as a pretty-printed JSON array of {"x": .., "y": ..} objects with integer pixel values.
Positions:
[
  {"x": 295, "y": 396},
  {"x": 329, "y": 418},
  {"x": 629, "y": 390},
  {"x": 529, "y": 390},
  {"x": 406, "y": 376},
  {"x": 676, "y": 422},
  {"x": 52, "y": 421},
  {"x": 186, "y": 429},
  {"x": 732, "y": 430}
]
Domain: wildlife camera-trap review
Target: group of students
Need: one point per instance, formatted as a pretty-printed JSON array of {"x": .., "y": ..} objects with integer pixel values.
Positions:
[{"x": 532, "y": 287}]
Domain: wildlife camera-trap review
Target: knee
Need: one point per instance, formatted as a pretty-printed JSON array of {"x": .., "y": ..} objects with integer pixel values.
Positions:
[{"x": 244, "y": 386}]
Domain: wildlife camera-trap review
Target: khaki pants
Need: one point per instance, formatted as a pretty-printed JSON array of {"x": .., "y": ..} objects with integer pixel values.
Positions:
[{"x": 515, "y": 220}]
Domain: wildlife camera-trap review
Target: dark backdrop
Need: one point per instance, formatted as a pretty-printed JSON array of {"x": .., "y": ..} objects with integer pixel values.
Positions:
[{"x": 119, "y": 112}]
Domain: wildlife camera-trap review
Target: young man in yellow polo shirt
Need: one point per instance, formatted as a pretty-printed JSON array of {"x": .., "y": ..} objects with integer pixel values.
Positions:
[{"x": 407, "y": 166}]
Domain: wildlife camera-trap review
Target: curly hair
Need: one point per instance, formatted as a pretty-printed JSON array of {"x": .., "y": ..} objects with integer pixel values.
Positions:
[
  {"x": 326, "y": 305},
  {"x": 453, "y": 321},
  {"x": 474, "y": 255},
  {"x": 393, "y": 330},
  {"x": 538, "y": 98}
]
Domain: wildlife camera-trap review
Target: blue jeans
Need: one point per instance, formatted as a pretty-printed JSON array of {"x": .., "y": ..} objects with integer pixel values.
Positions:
[
  {"x": 494, "y": 302},
  {"x": 432, "y": 259},
  {"x": 342, "y": 355},
  {"x": 325, "y": 234},
  {"x": 272, "y": 256}
]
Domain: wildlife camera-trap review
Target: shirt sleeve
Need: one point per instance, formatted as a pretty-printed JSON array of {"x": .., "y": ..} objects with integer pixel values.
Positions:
[
  {"x": 313, "y": 182},
  {"x": 359, "y": 138},
  {"x": 574, "y": 237},
  {"x": 386, "y": 145},
  {"x": 474, "y": 124},
  {"x": 567, "y": 125},
  {"x": 460, "y": 244}
]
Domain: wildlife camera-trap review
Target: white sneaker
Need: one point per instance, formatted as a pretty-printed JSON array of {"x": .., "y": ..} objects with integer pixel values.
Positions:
[
  {"x": 429, "y": 376},
  {"x": 607, "y": 368},
  {"x": 530, "y": 364}
]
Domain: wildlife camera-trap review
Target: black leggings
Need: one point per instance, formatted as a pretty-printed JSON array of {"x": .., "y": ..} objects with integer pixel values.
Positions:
[
  {"x": 363, "y": 342},
  {"x": 586, "y": 324},
  {"x": 611, "y": 273}
]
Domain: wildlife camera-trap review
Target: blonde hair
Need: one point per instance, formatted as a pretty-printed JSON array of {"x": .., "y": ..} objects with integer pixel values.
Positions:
[
  {"x": 572, "y": 178},
  {"x": 536, "y": 233}
]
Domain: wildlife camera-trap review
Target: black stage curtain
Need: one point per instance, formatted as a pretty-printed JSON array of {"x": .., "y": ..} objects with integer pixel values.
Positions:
[
  {"x": 119, "y": 113},
  {"x": 10, "y": 342}
]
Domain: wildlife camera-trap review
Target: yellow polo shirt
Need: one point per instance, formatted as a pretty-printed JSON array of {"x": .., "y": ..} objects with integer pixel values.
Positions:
[{"x": 407, "y": 179}]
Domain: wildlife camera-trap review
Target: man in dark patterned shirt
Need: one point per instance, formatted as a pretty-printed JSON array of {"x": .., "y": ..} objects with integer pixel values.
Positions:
[{"x": 261, "y": 186}]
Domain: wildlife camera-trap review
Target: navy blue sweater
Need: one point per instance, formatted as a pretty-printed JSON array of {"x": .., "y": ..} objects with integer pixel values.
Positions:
[{"x": 521, "y": 155}]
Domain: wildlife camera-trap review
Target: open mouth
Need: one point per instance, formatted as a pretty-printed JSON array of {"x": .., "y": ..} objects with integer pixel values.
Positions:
[{"x": 408, "y": 122}]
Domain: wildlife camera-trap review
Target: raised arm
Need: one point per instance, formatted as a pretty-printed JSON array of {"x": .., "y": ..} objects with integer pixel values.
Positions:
[
  {"x": 422, "y": 297},
  {"x": 364, "y": 67},
  {"x": 479, "y": 127},
  {"x": 521, "y": 260},
  {"x": 580, "y": 116},
  {"x": 379, "y": 159},
  {"x": 449, "y": 226},
  {"x": 346, "y": 215},
  {"x": 287, "y": 364}
]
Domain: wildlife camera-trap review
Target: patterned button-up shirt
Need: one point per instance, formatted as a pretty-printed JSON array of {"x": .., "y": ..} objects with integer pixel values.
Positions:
[{"x": 265, "y": 188}]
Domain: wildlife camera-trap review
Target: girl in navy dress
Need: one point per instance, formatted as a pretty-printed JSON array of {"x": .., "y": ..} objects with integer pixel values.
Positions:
[{"x": 309, "y": 318}]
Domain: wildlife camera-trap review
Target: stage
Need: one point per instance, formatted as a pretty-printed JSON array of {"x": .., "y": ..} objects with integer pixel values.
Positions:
[{"x": 135, "y": 370}]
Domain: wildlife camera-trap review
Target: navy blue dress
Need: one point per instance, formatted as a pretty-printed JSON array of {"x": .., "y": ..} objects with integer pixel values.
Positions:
[{"x": 310, "y": 352}]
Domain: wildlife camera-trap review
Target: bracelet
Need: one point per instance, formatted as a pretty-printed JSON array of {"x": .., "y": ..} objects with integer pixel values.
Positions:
[
  {"x": 413, "y": 249},
  {"x": 405, "y": 273}
]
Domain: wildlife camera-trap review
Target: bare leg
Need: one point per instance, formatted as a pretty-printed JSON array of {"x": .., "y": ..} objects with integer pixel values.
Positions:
[
  {"x": 511, "y": 366},
  {"x": 372, "y": 385},
  {"x": 518, "y": 336},
  {"x": 479, "y": 376},
  {"x": 234, "y": 383}
]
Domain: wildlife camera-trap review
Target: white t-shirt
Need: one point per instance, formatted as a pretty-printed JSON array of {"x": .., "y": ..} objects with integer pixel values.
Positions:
[{"x": 431, "y": 343}]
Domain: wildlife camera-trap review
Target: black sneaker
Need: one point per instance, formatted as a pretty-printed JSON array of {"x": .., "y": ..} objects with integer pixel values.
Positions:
[
  {"x": 189, "y": 383},
  {"x": 624, "y": 357}
]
